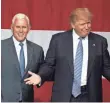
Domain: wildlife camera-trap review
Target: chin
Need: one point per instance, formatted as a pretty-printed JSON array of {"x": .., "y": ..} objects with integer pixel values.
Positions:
[
  {"x": 21, "y": 40},
  {"x": 86, "y": 34}
]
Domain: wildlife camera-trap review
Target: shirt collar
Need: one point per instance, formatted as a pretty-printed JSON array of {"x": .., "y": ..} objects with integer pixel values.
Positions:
[
  {"x": 76, "y": 36},
  {"x": 17, "y": 42}
]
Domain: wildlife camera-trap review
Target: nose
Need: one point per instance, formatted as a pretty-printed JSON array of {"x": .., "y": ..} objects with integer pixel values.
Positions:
[
  {"x": 87, "y": 26},
  {"x": 21, "y": 30}
]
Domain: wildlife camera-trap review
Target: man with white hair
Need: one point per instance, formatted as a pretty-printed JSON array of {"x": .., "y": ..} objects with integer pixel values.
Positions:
[{"x": 18, "y": 55}]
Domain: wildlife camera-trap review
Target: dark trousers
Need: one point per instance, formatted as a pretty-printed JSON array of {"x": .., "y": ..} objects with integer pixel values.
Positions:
[
  {"x": 80, "y": 98},
  {"x": 83, "y": 97}
]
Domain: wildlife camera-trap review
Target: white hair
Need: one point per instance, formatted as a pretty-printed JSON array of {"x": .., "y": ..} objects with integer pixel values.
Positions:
[{"x": 20, "y": 16}]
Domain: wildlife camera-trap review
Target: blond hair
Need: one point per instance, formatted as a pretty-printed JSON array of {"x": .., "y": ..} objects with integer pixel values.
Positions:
[{"x": 79, "y": 12}]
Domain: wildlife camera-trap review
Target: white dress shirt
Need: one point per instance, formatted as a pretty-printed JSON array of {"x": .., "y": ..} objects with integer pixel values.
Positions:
[
  {"x": 85, "y": 55},
  {"x": 18, "y": 48}
]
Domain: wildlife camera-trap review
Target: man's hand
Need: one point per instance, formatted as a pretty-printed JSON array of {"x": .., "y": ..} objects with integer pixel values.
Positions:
[{"x": 33, "y": 80}]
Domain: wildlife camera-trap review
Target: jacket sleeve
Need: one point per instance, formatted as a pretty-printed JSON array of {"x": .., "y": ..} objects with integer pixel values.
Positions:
[
  {"x": 46, "y": 71},
  {"x": 106, "y": 60}
]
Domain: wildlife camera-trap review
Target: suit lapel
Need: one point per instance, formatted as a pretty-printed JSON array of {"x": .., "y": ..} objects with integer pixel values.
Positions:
[
  {"x": 12, "y": 52},
  {"x": 91, "y": 53},
  {"x": 69, "y": 49},
  {"x": 29, "y": 56}
]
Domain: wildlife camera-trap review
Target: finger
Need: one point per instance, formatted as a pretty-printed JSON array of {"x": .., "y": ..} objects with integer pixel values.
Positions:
[
  {"x": 31, "y": 73},
  {"x": 34, "y": 84},
  {"x": 27, "y": 79},
  {"x": 28, "y": 82}
]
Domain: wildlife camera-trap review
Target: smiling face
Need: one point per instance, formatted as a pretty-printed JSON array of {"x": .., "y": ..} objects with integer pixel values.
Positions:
[
  {"x": 20, "y": 29},
  {"x": 82, "y": 26},
  {"x": 81, "y": 21}
]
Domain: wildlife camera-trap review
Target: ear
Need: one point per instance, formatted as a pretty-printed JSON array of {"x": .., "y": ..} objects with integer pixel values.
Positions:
[
  {"x": 72, "y": 25},
  {"x": 29, "y": 27},
  {"x": 11, "y": 26}
]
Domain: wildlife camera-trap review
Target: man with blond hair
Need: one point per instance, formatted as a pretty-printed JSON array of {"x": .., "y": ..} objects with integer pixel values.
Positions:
[
  {"x": 18, "y": 55},
  {"x": 79, "y": 59}
]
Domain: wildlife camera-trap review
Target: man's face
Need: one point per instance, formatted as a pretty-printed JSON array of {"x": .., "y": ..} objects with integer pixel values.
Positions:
[
  {"x": 20, "y": 29},
  {"x": 82, "y": 26}
]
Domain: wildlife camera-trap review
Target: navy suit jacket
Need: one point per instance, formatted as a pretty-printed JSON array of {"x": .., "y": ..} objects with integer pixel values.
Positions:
[{"x": 59, "y": 59}]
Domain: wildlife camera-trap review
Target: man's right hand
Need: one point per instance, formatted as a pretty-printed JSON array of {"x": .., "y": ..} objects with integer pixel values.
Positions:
[{"x": 34, "y": 79}]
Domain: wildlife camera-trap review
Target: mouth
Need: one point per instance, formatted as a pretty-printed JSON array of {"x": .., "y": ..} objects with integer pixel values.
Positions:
[
  {"x": 20, "y": 35},
  {"x": 86, "y": 31}
]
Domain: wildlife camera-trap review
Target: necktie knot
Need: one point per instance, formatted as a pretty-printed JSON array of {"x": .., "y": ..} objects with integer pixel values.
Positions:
[
  {"x": 21, "y": 44},
  {"x": 81, "y": 38}
]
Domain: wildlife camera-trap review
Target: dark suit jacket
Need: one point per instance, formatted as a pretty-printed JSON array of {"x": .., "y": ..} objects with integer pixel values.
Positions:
[
  {"x": 11, "y": 80},
  {"x": 60, "y": 58}
]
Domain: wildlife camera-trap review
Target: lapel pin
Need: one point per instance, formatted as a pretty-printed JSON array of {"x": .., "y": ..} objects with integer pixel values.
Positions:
[{"x": 93, "y": 44}]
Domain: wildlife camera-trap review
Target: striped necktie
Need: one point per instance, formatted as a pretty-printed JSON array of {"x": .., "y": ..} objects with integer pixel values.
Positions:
[{"x": 76, "y": 89}]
